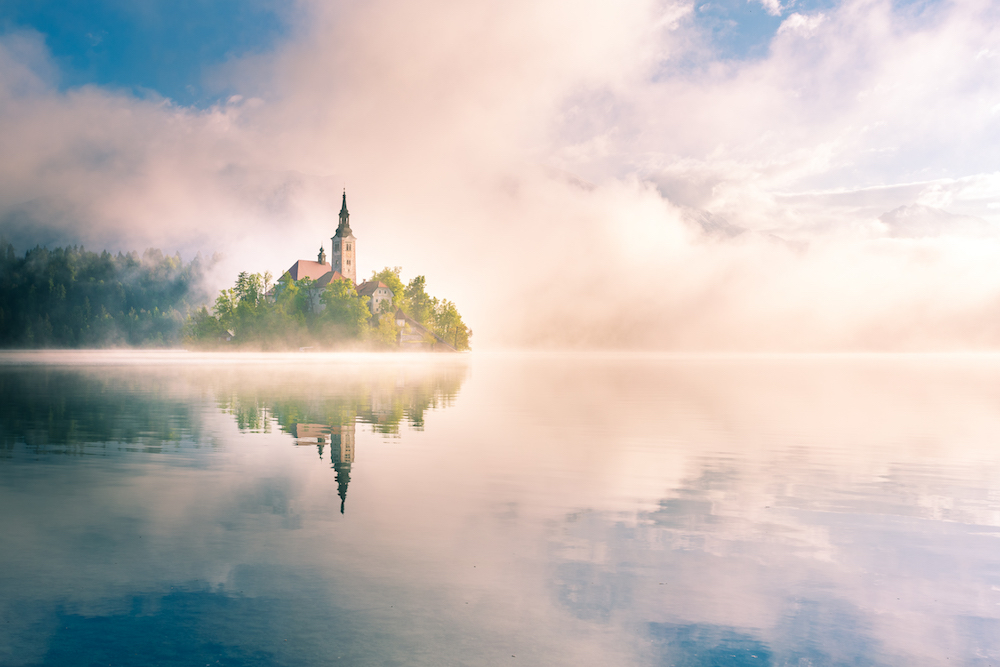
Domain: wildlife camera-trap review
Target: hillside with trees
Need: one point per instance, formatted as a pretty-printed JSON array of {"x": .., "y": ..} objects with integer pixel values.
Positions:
[{"x": 73, "y": 298}]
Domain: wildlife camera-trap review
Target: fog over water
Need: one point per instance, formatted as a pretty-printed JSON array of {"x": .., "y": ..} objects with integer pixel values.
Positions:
[{"x": 624, "y": 174}]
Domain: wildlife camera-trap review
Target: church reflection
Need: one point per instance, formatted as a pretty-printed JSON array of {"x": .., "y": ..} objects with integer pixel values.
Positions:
[
  {"x": 326, "y": 415},
  {"x": 107, "y": 410},
  {"x": 341, "y": 439}
]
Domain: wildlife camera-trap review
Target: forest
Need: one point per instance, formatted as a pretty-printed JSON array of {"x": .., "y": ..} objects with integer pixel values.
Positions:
[{"x": 73, "y": 298}]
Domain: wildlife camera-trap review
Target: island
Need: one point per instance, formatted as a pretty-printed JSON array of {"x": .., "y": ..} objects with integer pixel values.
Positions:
[{"x": 72, "y": 298}]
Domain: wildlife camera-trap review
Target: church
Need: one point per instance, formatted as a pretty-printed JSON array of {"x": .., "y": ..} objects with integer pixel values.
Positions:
[{"x": 343, "y": 265}]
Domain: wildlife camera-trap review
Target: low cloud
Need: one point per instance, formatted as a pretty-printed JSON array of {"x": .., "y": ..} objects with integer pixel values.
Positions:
[{"x": 570, "y": 174}]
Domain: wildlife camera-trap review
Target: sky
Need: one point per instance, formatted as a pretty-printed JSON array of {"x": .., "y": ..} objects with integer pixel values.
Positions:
[{"x": 741, "y": 175}]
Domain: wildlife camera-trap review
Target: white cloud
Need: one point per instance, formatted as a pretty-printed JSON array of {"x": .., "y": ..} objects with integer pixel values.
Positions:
[
  {"x": 772, "y": 7},
  {"x": 801, "y": 23}
]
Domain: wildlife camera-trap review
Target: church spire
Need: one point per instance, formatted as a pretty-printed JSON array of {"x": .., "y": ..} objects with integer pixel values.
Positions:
[{"x": 345, "y": 217}]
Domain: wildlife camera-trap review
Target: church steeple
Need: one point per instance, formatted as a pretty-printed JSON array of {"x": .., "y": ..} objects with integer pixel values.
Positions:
[
  {"x": 342, "y": 257},
  {"x": 345, "y": 217},
  {"x": 342, "y": 456}
]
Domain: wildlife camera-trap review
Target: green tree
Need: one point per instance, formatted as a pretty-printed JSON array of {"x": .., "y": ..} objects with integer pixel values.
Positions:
[
  {"x": 204, "y": 326},
  {"x": 70, "y": 297},
  {"x": 346, "y": 312},
  {"x": 299, "y": 313},
  {"x": 384, "y": 333},
  {"x": 449, "y": 326},
  {"x": 418, "y": 304}
]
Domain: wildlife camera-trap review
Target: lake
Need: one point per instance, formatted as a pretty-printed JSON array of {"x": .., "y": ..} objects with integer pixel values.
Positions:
[{"x": 170, "y": 508}]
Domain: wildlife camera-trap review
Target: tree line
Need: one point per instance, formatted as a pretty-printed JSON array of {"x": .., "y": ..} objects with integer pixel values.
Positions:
[{"x": 73, "y": 298}]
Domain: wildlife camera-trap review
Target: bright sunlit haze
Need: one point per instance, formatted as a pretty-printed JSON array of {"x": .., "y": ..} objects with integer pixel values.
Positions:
[{"x": 738, "y": 176}]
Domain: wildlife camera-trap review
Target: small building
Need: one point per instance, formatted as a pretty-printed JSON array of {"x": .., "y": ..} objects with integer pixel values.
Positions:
[{"x": 378, "y": 292}]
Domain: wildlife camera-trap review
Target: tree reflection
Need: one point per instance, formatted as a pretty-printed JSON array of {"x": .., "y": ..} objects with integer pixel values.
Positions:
[
  {"x": 318, "y": 410},
  {"x": 384, "y": 400},
  {"x": 66, "y": 411},
  {"x": 101, "y": 409}
]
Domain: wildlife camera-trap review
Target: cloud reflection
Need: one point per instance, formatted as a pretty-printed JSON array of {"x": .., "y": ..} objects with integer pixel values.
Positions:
[{"x": 564, "y": 509}]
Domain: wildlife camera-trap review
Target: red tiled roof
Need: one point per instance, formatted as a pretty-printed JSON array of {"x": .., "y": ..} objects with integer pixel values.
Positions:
[{"x": 308, "y": 269}]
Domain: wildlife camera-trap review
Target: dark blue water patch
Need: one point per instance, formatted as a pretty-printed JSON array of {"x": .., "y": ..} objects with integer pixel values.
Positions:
[
  {"x": 203, "y": 625},
  {"x": 705, "y": 645},
  {"x": 828, "y": 633},
  {"x": 175, "y": 635}
]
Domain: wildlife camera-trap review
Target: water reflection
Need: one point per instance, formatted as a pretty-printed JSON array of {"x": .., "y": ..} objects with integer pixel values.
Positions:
[
  {"x": 566, "y": 510},
  {"x": 317, "y": 410},
  {"x": 97, "y": 410},
  {"x": 61, "y": 411},
  {"x": 827, "y": 512}
]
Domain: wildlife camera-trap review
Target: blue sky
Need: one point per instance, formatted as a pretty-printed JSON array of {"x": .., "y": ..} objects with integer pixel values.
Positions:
[
  {"x": 171, "y": 47},
  {"x": 166, "y": 46},
  {"x": 742, "y": 29}
]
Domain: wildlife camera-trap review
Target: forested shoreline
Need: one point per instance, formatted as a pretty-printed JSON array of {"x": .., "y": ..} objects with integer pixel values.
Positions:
[{"x": 74, "y": 298}]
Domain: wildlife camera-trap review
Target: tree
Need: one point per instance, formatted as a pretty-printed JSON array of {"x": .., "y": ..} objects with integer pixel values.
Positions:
[
  {"x": 418, "y": 304},
  {"x": 384, "y": 333},
  {"x": 449, "y": 325},
  {"x": 345, "y": 310},
  {"x": 70, "y": 297},
  {"x": 251, "y": 287}
]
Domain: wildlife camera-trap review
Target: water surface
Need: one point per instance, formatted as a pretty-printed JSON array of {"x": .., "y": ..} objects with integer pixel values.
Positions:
[{"x": 179, "y": 509}]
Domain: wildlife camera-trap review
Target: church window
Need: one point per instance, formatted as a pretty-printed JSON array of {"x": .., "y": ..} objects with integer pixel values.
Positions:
[
  {"x": 348, "y": 247},
  {"x": 348, "y": 262}
]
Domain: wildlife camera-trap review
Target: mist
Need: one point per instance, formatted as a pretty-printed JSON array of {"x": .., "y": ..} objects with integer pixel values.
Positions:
[{"x": 569, "y": 174}]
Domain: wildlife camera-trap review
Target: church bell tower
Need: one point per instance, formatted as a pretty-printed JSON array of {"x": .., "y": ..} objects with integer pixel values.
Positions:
[{"x": 344, "y": 246}]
